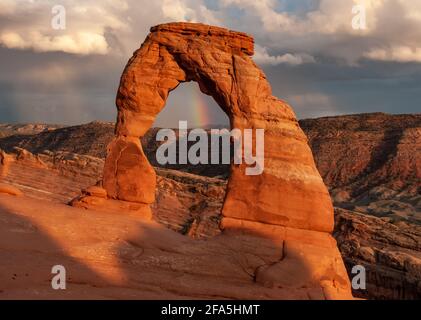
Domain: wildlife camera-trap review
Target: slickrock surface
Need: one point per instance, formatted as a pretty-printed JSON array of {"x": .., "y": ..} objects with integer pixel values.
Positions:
[
  {"x": 186, "y": 203},
  {"x": 54, "y": 176},
  {"x": 191, "y": 205},
  {"x": 114, "y": 255},
  {"x": 372, "y": 166},
  {"x": 110, "y": 255}
]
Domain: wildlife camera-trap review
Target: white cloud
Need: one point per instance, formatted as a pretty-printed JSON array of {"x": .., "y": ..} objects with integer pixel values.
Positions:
[
  {"x": 262, "y": 57},
  {"x": 188, "y": 10},
  {"x": 79, "y": 42},
  {"x": 12, "y": 40},
  {"x": 399, "y": 54},
  {"x": 327, "y": 30},
  {"x": 109, "y": 27},
  {"x": 7, "y": 7},
  {"x": 89, "y": 22},
  {"x": 86, "y": 25},
  {"x": 177, "y": 10}
]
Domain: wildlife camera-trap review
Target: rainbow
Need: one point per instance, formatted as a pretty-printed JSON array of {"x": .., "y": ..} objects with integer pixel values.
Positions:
[{"x": 201, "y": 110}]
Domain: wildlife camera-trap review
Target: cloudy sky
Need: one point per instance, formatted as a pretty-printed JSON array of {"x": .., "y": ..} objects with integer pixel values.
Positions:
[{"x": 310, "y": 50}]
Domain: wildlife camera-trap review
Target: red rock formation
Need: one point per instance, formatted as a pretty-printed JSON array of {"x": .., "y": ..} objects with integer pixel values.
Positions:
[
  {"x": 288, "y": 202},
  {"x": 4, "y": 164},
  {"x": 358, "y": 152},
  {"x": 391, "y": 254},
  {"x": 289, "y": 193}
]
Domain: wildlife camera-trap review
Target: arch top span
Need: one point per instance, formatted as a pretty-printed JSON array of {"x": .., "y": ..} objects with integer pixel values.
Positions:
[
  {"x": 288, "y": 193},
  {"x": 237, "y": 41}
]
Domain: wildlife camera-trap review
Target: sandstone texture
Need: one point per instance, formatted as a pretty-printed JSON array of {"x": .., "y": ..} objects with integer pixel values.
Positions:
[
  {"x": 4, "y": 164},
  {"x": 8, "y": 189},
  {"x": 289, "y": 193},
  {"x": 109, "y": 253},
  {"x": 269, "y": 248},
  {"x": 117, "y": 256},
  {"x": 54, "y": 176},
  {"x": 371, "y": 162},
  {"x": 377, "y": 228},
  {"x": 391, "y": 254},
  {"x": 288, "y": 203}
]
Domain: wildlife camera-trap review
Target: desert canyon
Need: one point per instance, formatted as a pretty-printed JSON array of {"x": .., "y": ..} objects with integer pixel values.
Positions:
[{"x": 335, "y": 192}]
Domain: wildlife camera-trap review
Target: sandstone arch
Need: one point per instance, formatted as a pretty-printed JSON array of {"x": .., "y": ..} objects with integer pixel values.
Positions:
[
  {"x": 288, "y": 203},
  {"x": 289, "y": 193}
]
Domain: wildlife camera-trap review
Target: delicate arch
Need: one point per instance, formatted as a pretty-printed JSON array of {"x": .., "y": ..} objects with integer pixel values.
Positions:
[{"x": 290, "y": 191}]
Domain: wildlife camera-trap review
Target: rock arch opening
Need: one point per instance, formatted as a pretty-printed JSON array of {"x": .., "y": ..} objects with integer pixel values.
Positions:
[
  {"x": 189, "y": 196},
  {"x": 186, "y": 104}
]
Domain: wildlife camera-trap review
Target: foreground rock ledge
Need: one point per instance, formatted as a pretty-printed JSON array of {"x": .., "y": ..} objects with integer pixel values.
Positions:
[
  {"x": 110, "y": 255},
  {"x": 288, "y": 203}
]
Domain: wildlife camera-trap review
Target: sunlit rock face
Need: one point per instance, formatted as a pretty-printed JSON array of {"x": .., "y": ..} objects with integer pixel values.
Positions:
[
  {"x": 288, "y": 193},
  {"x": 288, "y": 201}
]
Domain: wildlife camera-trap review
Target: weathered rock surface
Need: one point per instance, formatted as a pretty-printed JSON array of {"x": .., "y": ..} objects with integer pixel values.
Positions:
[
  {"x": 191, "y": 205},
  {"x": 287, "y": 206},
  {"x": 53, "y": 176},
  {"x": 117, "y": 256},
  {"x": 4, "y": 164},
  {"x": 366, "y": 150},
  {"x": 391, "y": 254},
  {"x": 11, "y": 190},
  {"x": 289, "y": 193},
  {"x": 370, "y": 162},
  {"x": 88, "y": 139},
  {"x": 186, "y": 203},
  {"x": 103, "y": 249},
  {"x": 287, "y": 203},
  {"x": 7, "y": 129},
  {"x": 372, "y": 166}
]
